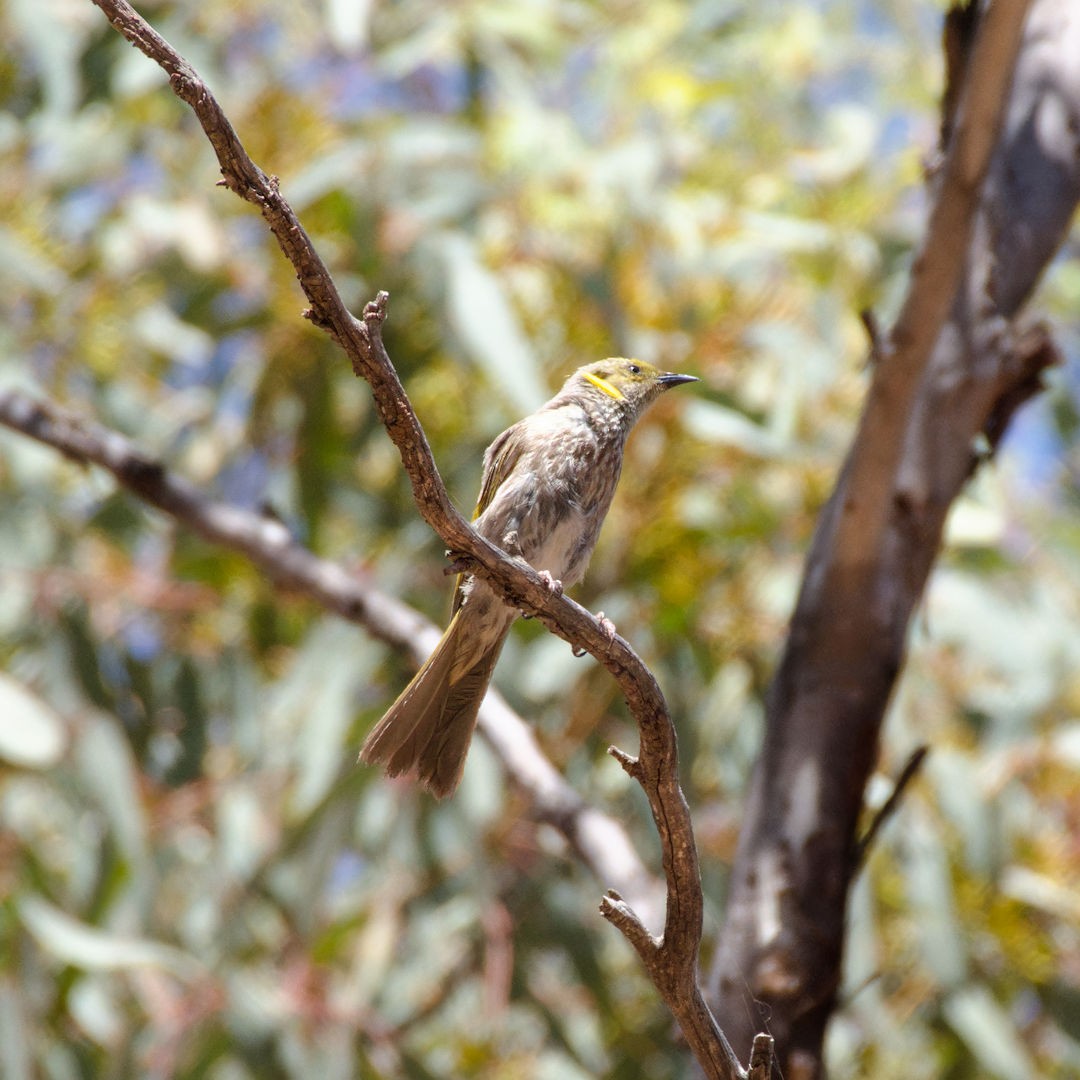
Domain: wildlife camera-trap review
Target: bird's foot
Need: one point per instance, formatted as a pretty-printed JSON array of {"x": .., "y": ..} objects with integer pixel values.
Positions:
[
  {"x": 554, "y": 585},
  {"x": 608, "y": 629}
]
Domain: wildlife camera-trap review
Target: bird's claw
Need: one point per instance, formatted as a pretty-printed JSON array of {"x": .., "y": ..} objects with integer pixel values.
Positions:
[
  {"x": 607, "y": 627},
  {"x": 554, "y": 585}
]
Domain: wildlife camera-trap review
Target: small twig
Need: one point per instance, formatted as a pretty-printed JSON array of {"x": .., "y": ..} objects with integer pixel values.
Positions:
[
  {"x": 908, "y": 773},
  {"x": 1034, "y": 351},
  {"x": 873, "y": 334},
  {"x": 761, "y": 1058},
  {"x": 627, "y": 761}
]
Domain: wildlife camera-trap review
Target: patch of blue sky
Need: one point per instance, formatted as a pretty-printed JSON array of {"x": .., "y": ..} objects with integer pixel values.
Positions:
[
  {"x": 232, "y": 349},
  {"x": 82, "y": 209},
  {"x": 113, "y": 671},
  {"x": 571, "y": 91},
  {"x": 142, "y": 637},
  {"x": 257, "y": 40},
  {"x": 1033, "y": 450},
  {"x": 353, "y": 87},
  {"x": 234, "y": 401},
  {"x": 213, "y": 366},
  {"x": 46, "y": 357},
  {"x": 235, "y": 305},
  {"x": 346, "y": 873},
  {"x": 244, "y": 479}
]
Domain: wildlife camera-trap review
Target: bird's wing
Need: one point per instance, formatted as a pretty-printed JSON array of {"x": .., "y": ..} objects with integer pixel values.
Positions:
[{"x": 499, "y": 461}]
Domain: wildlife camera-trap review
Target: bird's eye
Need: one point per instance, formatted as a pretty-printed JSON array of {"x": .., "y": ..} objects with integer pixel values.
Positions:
[{"x": 634, "y": 369}]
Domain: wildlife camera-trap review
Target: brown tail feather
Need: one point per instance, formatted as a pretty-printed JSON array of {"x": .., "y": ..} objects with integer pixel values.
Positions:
[
  {"x": 430, "y": 726},
  {"x": 441, "y": 760}
]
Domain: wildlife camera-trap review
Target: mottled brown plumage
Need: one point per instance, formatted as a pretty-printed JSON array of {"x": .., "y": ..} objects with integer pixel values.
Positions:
[{"x": 548, "y": 482}]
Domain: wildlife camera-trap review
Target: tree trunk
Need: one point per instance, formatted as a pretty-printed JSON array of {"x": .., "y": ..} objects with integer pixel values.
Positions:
[{"x": 778, "y": 961}]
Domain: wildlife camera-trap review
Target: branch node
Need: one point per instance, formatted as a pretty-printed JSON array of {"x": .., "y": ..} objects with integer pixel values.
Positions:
[
  {"x": 375, "y": 311},
  {"x": 622, "y": 916},
  {"x": 761, "y": 1057},
  {"x": 630, "y": 764},
  {"x": 873, "y": 333},
  {"x": 607, "y": 628},
  {"x": 318, "y": 319}
]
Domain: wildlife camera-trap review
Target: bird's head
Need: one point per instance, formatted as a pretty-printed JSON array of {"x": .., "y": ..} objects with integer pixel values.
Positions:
[{"x": 632, "y": 383}]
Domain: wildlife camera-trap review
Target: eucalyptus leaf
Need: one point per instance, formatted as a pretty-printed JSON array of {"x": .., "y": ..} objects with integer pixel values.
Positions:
[
  {"x": 484, "y": 319},
  {"x": 94, "y": 949},
  {"x": 989, "y": 1032},
  {"x": 31, "y": 734},
  {"x": 930, "y": 893},
  {"x": 15, "y": 1058},
  {"x": 108, "y": 772},
  {"x": 722, "y": 425}
]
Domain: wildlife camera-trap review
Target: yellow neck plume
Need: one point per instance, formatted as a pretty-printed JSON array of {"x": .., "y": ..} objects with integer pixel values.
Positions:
[{"x": 602, "y": 384}]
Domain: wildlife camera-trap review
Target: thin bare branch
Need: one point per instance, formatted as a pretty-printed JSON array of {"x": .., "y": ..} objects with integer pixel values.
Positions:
[
  {"x": 676, "y": 954},
  {"x": 908, "y": 773}
]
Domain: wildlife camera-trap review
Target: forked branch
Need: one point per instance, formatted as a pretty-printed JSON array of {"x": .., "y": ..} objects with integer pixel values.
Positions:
[{"x": 672, "y": 959}]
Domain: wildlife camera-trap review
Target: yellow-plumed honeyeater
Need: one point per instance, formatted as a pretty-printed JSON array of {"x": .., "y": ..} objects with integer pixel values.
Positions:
[{"x": 548, "y": 482}]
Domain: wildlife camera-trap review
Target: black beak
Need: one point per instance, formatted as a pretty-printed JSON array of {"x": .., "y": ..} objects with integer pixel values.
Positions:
[{"x": 671, "y": 378}]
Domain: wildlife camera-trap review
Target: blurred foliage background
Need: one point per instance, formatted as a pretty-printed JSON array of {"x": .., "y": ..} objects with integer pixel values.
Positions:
[{"x": 195, "y": 879}]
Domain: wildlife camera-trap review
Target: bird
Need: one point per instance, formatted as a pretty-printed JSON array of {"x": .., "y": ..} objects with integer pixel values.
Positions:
[{"x": 547, "y": 484}]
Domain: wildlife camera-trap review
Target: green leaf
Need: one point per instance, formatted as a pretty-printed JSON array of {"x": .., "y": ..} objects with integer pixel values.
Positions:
[
  {"x": 487, "y": 325},
  {"x": 93, "y": 949},
  {"x": 989, "y": 1033},
  {"x": 31, "y": 734}
]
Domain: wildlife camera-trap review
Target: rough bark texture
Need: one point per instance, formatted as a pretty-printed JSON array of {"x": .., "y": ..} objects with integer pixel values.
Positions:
[{"x": 778, "y": 960}]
